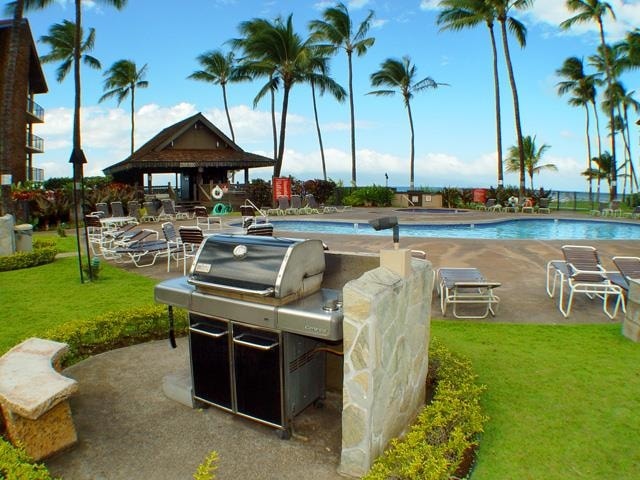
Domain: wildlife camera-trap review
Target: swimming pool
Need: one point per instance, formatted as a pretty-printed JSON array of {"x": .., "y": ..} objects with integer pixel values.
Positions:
[
  {"x": 536, "y": 229},
  {"x": 431, "y": 210}
]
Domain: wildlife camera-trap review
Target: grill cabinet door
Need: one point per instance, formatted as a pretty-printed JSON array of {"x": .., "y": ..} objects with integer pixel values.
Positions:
[
  {"x": 257, "y": 373},
  {"x": 209, "y": 342}
]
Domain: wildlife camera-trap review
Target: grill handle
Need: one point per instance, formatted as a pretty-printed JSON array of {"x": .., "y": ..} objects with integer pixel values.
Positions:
[
  {"x": 257, "y": 346},
  {"x": 206, "y": 332},
  {"x": 263, "y": 293}
]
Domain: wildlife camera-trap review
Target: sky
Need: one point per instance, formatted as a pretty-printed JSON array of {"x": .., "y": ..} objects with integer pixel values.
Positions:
[{"x": 454, "y": 124}]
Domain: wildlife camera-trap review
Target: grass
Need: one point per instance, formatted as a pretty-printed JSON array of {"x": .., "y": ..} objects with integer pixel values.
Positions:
[
  {"x": 563, "y": 401},
  {"x": 37, "y": 299}
]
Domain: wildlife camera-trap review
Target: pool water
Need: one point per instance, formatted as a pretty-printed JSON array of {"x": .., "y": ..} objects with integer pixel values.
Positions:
[{"x": 536, "y": 229}]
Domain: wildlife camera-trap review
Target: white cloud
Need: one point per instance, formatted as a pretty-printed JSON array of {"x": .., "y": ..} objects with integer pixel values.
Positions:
[
  {"x": 378, "y": 22},
  {"x": 429, "y": 5},
  {"x": 355, "y": 4}
]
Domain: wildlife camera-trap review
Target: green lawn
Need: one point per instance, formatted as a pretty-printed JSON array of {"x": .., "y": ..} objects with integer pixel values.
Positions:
[
  {"x": 563, "y": 401},
  {"x": 33, "y": 300}
]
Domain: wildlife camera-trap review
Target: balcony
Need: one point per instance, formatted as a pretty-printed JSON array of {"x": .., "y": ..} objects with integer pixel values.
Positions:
[
  {"x": 35, "y": 113},
  {"x": 37, "y": 175},
  {"x": 35, "y": 144}
]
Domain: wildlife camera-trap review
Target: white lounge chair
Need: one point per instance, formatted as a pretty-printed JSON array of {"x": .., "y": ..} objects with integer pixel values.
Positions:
[{"x": 466, "y": 286}]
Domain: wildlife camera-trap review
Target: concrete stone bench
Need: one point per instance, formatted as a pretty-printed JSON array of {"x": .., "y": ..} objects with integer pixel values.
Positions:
[{"x": 34, "y": 397}]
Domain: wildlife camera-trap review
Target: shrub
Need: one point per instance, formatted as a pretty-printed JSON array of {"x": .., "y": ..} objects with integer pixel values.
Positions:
[
  {"x": 259, "y": 192},
  {"x": 322, "y": 190},
  {"x": 43, "y": 252},
  {"x": 450, "y": 197},
  {"x": 16, "y": 464},
  {"x": 376, "y": 196},
  {"x": 114, "y": 330},
  {"x": 446, "y": 430}
]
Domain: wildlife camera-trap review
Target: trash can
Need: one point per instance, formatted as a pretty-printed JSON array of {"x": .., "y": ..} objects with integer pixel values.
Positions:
[{"x": 24, "y": 237}]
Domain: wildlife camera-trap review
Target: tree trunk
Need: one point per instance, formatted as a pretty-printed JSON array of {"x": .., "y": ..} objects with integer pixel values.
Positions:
[
  {"x": 315, "y": 114},
  {"x": 597, "y": 117},
  {"x": 496, "y": 88},
  {"x": 613, "y": 180},
  {"x": 273, "y": 120},
  {"x": 283, "y": 126},
  {"x": 412, "y": 157},
  {"x": 586, "y": 109},
  {"x": 133, "y": 115},
  {"x": 226, "y": 110},
  {"x": 634, "y": 178},
  {"x": 516, "y": 105},
  {"x": 353, "y": 122}
]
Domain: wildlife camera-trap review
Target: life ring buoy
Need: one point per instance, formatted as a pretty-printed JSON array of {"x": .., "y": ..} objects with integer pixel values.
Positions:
[
  {"x": 217, "y": 192},
  {"x": 219, "y": 208}
]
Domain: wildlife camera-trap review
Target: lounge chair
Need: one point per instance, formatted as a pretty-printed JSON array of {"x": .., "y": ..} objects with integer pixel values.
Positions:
[
  {"x": 190, "y": 238},
  {"x": 169, "y": 211},
  {"x": 295, "y": 206},
  {"x": 543, "y": 205},
  {"x": 117, "y": 210},
  {"x": 628, "y": 269},
  {"x": 613, "y": 210},
  {"x": 466, "y": 286},
  {"x": 635, "y": 213},
  {"x": 151, "y": 214},
  {"x": 263, "y": 229},
  {"x": 102, "y": 209},
  {"x": 174, "y": 244},
  {"x": 249, "y": 217},
  {"x": 136, "y": 252},
  {"x": 312, "y": 204},
  {"x": 133, "y": 207},
  {"x": 600, "y": 210},
  {"x": 527, "y": 205},
  {"x": 582, "y": 272},
  {"x": 93, "y": 227},
  {"x": 203, "y": 219}
]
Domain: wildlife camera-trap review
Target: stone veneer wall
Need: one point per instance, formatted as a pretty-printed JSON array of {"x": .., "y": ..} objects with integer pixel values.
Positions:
[
  {"x": 7, "y": 240},
  {"x": 386, "y": 338},
  {"x": 631, "y": 323}
]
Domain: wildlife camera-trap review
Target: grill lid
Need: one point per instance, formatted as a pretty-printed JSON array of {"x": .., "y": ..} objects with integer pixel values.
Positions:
[{"x": 265, "y": 266}]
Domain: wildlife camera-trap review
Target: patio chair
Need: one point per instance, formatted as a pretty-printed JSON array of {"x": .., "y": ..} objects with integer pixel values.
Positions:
[
  {"x": 262, "y": 229},
  {"x": 137, "y": 252},
  {"x": 600, "y": 210},
  {"x": 582, "y": 272},
  {"x": 203, "y": 219},
  {"x": 93, "y": 228},
  {"x": 174, "y": 244},
  {"x": 526, "y": 205},
  {"x": 635, "y": 213},
  {"x": 151, "y": 214},
  {"x": 543, "y": 205},
  {"x": 613, "y": 210},
  {"x": 103, "y": 209},
  {"x": 488, "y": 204},
  {"x": 466, "y": 286},
  {"x": 133, "y": 207},
  {"x": 169, "y": 211},
  {"x": 295, "y": 206},
  {"x": 628, "y": 269},
  {"x": 190, "y": 238},
  {"x": 117, "y": 210},
  {"x": 312, "y": 204}
]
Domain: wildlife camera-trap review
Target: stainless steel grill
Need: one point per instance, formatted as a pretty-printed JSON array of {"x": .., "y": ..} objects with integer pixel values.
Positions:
[{"x": 258, "y": 318}]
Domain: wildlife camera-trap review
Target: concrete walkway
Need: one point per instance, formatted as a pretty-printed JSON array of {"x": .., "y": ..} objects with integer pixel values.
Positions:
[{"x": 128, "y": 429}]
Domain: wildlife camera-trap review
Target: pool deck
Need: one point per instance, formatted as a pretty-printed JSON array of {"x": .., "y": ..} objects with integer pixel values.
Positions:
[{"x": 128, "y": 429}]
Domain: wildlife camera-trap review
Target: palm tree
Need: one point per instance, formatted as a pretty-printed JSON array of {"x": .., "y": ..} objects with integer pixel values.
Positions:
[
  {"x": 583, "y": 90},
  {"x": 604, "y": 163},
  {"x": 220, "y": 68},
  {"x": 594, "y": 11},
  {"x": 532, "y": 157},
  {"x": 250, "y": 30},
  {"x": 7, "y": 124},
  {"x": 336, "y": 28},
  {"x": 503, "y": 7},
  {"x": 459, "y": 14},
  {"x": 277, "y": 50},
  {"x": 401, "y": 75},
  {"x": 319, "y": 75},
  {"x": 122, "y": 79}
]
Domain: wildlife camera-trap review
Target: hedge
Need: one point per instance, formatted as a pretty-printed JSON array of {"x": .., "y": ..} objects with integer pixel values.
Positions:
[
  {"x": 447, "y": 429},
  {"x": 114, "y": 330},
  {"x": 43, "y": 252}
]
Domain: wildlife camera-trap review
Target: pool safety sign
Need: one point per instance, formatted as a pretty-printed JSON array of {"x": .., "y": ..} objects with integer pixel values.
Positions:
[{"x": 281, "y": 187}]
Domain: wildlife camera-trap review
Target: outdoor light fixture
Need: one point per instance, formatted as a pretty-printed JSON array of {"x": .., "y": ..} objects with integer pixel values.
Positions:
[{"x": 384, "y": 223}]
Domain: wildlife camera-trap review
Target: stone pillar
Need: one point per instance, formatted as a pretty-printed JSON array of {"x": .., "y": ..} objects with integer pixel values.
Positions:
[
  {"x": 7, "y": 238},
  {"x": 386, "y": 339},
  {"x": 631, "y": 324}
]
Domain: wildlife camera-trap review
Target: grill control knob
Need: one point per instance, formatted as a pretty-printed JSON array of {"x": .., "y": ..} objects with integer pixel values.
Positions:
[{"x": 330, "y": 306}]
